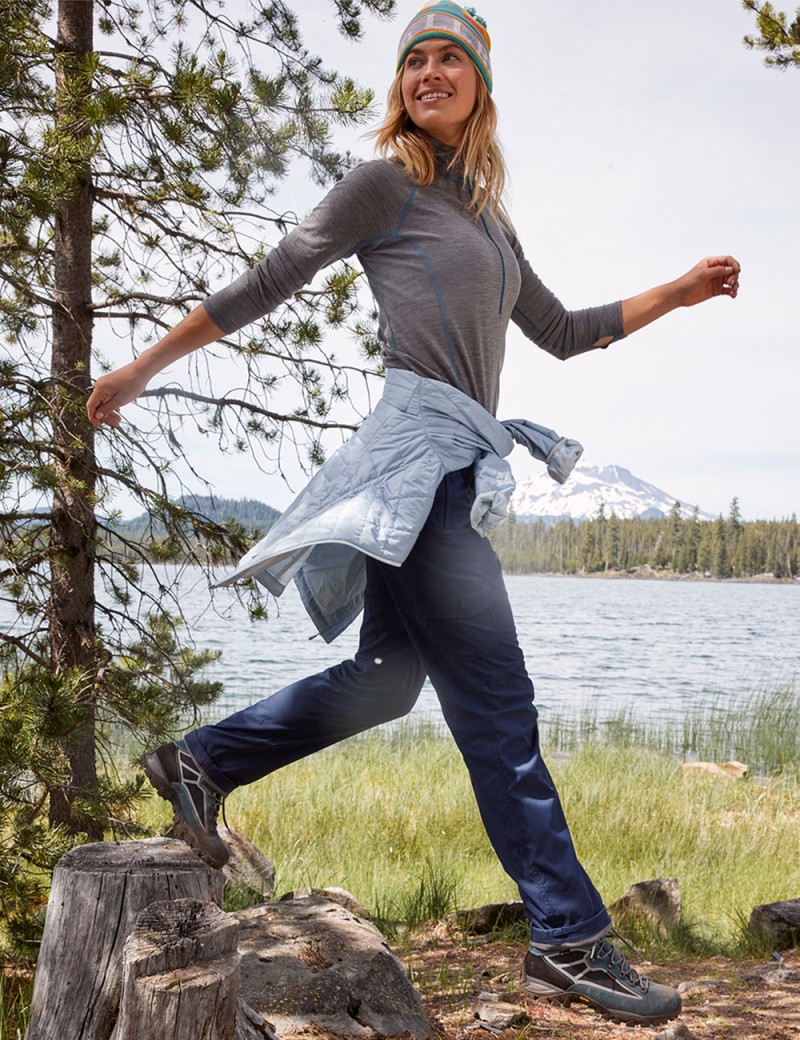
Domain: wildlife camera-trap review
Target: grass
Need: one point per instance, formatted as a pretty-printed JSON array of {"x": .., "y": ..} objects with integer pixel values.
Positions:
[
  {"x": 761, "y": 729},
  {"x": 15, "y": 998},
  {"x": 391, "y": 817},
  {"x": 433, "y": 897},
  {"x": 730, "y": 844}
]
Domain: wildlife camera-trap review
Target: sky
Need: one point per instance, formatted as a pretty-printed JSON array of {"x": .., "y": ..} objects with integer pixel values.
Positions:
[{"x": 640, "y": 136}]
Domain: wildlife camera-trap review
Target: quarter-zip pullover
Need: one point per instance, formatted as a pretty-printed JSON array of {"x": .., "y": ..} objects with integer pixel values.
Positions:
[{"x": 446, "y": 284}]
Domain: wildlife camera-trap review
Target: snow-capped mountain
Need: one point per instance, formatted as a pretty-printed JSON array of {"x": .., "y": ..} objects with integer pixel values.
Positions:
[{"x": 589, "y": 487}]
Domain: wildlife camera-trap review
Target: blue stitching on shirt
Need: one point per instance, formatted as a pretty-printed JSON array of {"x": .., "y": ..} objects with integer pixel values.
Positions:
[
  {"x": 373, "y": 284},
  {"x": 502, "y": 263},
  {"x": 436, "y": 292},
  {"x": 406, "y": 208},
  {"x": 386, "y": 234},
  {"x": 442, "y": 312},
  {"x": 538, "y": 332}
]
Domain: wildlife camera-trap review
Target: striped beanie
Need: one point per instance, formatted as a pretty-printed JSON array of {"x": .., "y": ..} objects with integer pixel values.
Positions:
[{"x": 444, "y": 18}]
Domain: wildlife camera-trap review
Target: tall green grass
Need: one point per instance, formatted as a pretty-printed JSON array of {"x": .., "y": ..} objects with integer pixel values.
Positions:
[
  {"x": 761, "y": 729},
  {"x": 15, "y": 996},
  {"x": 391, "y": 817}
]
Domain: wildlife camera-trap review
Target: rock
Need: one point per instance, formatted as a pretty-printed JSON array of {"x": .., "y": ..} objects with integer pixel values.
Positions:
[
  {"x": 780, "y": 922},
  {"x": 770, "y": 976},
  {"x": 675, "y": 1031},
  {"x": 698, "y": 985},
  {"x": 735, "y": 770},
  {"x": 652, "y": 902},
  {"x": 309, "y": 964},
  {"x": 248, "y": 868},
  {"x": 490, "y": 918},
  {"x": 335, "y": 895},
  {"x": 498, "y": 1013}
]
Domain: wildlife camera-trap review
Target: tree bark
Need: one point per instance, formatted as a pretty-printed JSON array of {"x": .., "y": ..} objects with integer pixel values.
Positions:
[
  {"x": 97, "y": 894},
  {"x": 73, "y": 525}
]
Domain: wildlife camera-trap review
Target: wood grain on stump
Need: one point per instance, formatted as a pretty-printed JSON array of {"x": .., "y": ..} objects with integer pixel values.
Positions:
[
  {"x": 180, "y": 974},
  {"x": 98, "y": 891}
]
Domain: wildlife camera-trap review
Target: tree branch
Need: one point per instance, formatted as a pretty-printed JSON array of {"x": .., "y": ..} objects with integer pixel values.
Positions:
[
  {"x": 224, "y": 402},
  {"x": 22, "y": 646}
]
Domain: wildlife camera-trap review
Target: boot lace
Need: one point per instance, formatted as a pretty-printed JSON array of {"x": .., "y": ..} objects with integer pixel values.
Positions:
[{"x": 604, "y": 951}]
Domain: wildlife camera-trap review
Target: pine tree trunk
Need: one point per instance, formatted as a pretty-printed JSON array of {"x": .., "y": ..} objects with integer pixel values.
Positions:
[{"x": 73, "y": 527}]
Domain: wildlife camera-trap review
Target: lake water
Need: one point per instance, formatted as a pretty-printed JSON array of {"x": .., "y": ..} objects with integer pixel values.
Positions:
[
  {"x": 659, "y": 648},
  {"x": 591, "y": 644}
]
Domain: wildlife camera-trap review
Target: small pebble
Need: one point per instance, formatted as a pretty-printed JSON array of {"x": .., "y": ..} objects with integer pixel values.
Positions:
[{"x": 675, "y": 1031}]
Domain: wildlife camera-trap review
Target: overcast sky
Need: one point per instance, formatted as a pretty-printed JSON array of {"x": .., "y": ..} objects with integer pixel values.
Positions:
[{"x": 640, "y": 136}]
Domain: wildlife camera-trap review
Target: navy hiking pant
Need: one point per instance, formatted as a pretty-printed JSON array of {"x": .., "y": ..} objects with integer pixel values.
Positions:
[{"x": 445, "y": 614}]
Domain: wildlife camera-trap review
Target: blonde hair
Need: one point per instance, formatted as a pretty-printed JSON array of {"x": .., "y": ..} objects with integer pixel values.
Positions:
[{"x": 479, "y": 150}]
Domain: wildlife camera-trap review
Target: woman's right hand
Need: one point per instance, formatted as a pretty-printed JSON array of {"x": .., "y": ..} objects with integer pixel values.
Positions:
[
  {"x": 114, "y": 390},
  {"x": 124, "y": 385}
]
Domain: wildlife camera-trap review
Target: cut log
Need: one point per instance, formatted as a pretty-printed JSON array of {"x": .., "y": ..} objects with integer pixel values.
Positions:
[
  {"x": 734, "y": 770},
  {"x": 252, "y": 1026},
  {"x": 180, "y": 974},
  {"x": 97, "y": 894}
]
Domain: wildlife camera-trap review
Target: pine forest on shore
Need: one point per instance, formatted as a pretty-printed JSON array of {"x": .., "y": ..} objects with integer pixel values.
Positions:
[{"x": 673, "y": 545}]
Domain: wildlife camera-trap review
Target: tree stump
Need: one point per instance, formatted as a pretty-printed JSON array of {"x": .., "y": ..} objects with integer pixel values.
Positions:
[
  {"x": 180, "y": 977},
  {"x": 180, "y": 974},
  {"x": 97, "y": 894}
]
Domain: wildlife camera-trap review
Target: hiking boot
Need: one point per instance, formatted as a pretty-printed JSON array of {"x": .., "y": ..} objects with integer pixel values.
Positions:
[
  {"x": 196, "y": 801},
  {"x": 598, "y": 975}
]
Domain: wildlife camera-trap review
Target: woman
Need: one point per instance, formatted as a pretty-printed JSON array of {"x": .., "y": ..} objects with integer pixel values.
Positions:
[{"x": 391, "y": 522}]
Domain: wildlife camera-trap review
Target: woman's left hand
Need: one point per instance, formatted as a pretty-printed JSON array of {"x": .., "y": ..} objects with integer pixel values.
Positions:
[{"x": 714, "y": 276}]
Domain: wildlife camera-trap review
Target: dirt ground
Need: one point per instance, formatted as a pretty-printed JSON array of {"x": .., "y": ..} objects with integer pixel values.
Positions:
[{"x": 722, "y": 999}]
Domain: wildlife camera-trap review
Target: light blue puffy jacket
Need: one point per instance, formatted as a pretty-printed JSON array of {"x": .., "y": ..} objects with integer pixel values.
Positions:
[{"x": 372, "y": 497}]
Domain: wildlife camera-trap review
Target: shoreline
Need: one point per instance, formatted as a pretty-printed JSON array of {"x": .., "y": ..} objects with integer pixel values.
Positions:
[{"x": 647, "y": 573}]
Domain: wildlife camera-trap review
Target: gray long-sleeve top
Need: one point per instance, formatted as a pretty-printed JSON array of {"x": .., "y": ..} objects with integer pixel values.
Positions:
[{"x": 446, "y": 284}]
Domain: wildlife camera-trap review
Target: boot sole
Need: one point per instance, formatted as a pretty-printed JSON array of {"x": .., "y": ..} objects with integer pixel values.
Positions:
[
  {"x": 155, "y": 774},
  {"x": 621, "y": 1018}
]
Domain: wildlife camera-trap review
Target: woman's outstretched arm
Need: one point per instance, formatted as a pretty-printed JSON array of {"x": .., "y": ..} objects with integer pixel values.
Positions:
[
  {"x": 124, "y": 385},
  {"x": 714, "y": 276}
]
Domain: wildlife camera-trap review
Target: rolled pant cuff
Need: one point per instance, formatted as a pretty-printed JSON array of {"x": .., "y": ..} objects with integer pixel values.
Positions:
[
  {"x": 201, "y": 758},
  {"x": 586, "y": 931}
]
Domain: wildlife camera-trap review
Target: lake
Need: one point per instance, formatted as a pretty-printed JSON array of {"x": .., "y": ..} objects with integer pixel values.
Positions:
[
  {"x": 591, "y": 644},
  {"x": 598, "y": 645}
]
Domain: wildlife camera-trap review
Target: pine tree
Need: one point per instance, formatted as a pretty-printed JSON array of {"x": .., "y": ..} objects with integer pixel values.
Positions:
[
  {"x": 776, "y": 35},
  {"x": 613, "y": 544},
  {"x": 140, "y": 149},
  {"x": 720, "y": 565},
  {"x": 733, "y": 537}
]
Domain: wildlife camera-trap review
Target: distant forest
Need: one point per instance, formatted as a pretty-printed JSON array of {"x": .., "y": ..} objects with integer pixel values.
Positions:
[
  {"x": 255, "y": 516},
  {"x": 722, "y": 548},
  {"x": 727, "y": 547}
]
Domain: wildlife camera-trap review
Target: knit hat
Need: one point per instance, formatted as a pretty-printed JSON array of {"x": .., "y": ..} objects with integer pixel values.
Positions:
[{"x": 444, "y": 18}]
